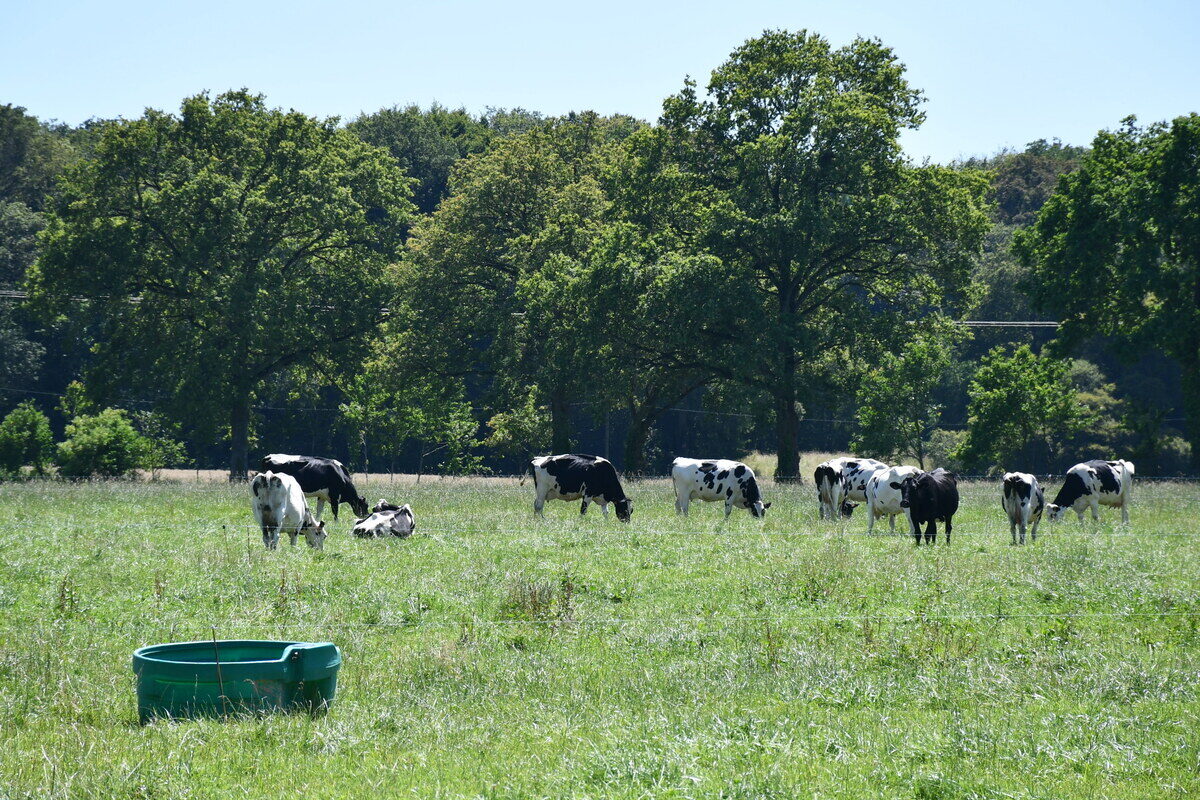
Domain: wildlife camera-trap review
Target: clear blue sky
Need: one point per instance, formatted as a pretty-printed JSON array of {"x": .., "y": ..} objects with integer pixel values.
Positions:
[{"x": 995, "y": 74}]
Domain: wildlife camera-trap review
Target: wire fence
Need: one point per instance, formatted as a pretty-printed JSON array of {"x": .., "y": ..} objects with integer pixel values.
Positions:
[
  {"x": 486, "y": 526},
  {"x": 572, "y": 619}
]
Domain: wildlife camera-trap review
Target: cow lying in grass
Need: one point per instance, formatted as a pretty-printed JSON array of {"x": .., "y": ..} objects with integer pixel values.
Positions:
[
  {"x": 386, "y": 520},
  {"x": 279, "y": 506}
]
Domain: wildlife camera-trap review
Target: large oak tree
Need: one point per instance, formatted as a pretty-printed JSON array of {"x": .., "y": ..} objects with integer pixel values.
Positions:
[
  {"x": 218, "y": 247},
  {"x": 817, "y": 214}
]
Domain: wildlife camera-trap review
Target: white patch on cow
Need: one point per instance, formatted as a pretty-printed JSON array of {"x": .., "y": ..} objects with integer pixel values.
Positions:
[
  {"x": 883, "y": 495},
  {"x": 279, "y": 505}
]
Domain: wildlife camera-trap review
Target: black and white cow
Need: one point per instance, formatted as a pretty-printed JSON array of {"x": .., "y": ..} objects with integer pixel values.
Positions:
[
  {"x": 386, "y": 519},
  {"x": 278, "y": 506},
  {"x": 927, "y": 498},
  {"x": 1093, "y": 484},
  {"x": 574, "y": 477},
  {"x": 716, "y": 479},
  {"x": 323, "y": 478},
  {"x": 1023, "y": 502},
  {"x": 883, "y": 495},
  {"x": 842, "y": 484}
]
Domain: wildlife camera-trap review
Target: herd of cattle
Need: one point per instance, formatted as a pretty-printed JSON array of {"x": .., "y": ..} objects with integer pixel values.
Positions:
[{"x": 924, "y": 498}]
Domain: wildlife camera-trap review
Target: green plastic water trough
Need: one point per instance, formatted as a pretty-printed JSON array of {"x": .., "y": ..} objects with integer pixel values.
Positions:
[{"x": 234, "y": 676}]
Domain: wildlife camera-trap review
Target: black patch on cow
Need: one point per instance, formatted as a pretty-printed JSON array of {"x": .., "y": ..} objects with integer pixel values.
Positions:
[
  {"x": 729, "y": 492},
  {"x": 749, "y": 487},
  {"x": 723, "y": 474},
  {"x": 739, "y": 470},
  {"x": 1072, "y": 489},
  {"x": 1109, "y": 482},
  {"x": 894, "y": 485},
  {"x": 1018, "y": 487}
]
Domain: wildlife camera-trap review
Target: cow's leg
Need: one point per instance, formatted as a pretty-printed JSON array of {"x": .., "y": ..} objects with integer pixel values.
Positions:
[
  {"x": 292, "y": 533},
  {"x": 1012, "y": 531},
  {"x": 892, "y": 524},
  {"x": 1033, "y": 532},
  {"x": 931, "y": 532},
  {"x": 603, "y": 507},
  {"x": 268, "y": 541},
  {"x": 539, "y": 502},
  {"x": 870, "y": 516},
  {"x": 916, "y": 530},
  {"x": 728, "y": 509},
  {"x": 682, "y": 502},
  {"x": 1125, "y": 510},
  {"x": 950, "y": 527},
  {"x": 320, "y": 507},
  {"x": 1095, "y": 505},
  {"x": 583, "y": 507}
]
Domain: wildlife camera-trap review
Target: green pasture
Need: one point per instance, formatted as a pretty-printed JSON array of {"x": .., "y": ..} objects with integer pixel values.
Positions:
[{"x": 497, "y": 655}]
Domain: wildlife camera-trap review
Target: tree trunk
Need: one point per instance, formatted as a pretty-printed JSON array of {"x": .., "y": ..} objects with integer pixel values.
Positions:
[
  {"x": 560, "y": 423},
  {"x": 787, "y": 421},
  {"x": 787, "y": 434},
  {"x": 635, "y": 443},
  {"x": 1190, "y": 370},
  {"x": 239, "y": 435}
]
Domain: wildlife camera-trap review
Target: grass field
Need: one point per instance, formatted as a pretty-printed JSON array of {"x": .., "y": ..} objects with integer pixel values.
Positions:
[{"x": 496, "y": 655}]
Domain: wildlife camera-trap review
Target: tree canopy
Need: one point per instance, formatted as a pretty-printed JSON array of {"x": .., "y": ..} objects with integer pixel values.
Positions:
[
  {"x": 1116, "y": 251},
  {"x": 218, "y": 247}
]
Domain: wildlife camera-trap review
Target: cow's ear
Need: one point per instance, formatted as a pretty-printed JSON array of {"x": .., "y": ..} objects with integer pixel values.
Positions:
[{"x": 766, "y": 506}]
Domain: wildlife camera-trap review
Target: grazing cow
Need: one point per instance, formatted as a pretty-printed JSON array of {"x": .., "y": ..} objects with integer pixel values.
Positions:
[
  {"x": 1023, "y": 502},
  {"x": 1093, "y": 484},
  {"x": 386, "y": 519},
  {"x": 927, "y": 498},
  {"x": 279, "y": 505},
  {"x": 323, "y": 478},
  {"x": 883, "y": 495},
  {"x": 716, "y": 479},
  {"x": 573, "y": 477},
  {"x": 842, "y": 484}
]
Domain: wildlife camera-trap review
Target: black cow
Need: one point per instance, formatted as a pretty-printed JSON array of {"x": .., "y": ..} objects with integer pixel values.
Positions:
[
  {"x": 572, "y": 477},
  {"x": 928, "y": 497},
  {"x": 324, "y": 478}
]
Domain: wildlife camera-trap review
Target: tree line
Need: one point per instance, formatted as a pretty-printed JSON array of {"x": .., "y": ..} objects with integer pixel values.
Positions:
[{"x": 481, "y": 288}]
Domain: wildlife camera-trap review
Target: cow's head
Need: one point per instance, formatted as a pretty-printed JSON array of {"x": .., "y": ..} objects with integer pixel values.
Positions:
[
  {"x": 315, "y": 534},
  {"x": 759, "y": 509},
  {"x": 847, "y": 508},
  {"x": 1055, "y": 512},
  {"x": 624, "y": 509},
  {"x": 359, "y": 504},
  {"x": 909, "y": 491}
]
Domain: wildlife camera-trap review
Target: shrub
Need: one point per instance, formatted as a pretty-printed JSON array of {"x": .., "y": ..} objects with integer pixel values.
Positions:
[
  {"x": 25, "y": 439},
  {"x": 103, "y": 444}
]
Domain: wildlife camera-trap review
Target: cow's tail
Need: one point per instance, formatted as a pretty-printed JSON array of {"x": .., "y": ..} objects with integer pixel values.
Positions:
[{"x": 526, "y": 473}]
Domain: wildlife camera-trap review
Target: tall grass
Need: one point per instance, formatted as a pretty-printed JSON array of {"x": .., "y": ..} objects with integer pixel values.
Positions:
[{"x": 498, "y": 655}]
